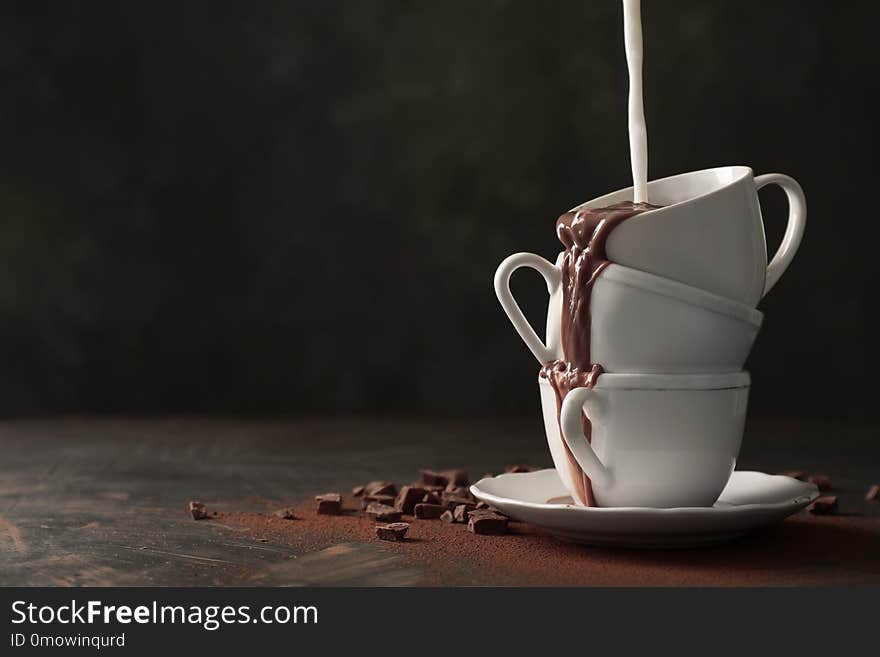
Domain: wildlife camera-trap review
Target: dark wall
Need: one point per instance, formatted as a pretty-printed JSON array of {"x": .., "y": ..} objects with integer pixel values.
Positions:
[{"x": 299, "y": 206}]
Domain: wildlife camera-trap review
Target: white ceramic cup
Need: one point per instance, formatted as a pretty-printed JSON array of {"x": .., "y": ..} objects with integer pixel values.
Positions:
[
  {"x": 657, "y": 440},
  {"x": 710, "y": 233},
  {"x": 640, "y": 322}
]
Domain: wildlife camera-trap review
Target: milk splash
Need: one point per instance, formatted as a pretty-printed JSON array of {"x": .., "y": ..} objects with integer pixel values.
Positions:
[{"x": 638, "y": 132}]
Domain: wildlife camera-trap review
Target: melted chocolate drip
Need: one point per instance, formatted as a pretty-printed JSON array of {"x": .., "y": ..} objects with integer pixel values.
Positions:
[{"x": 584, "y": 234}]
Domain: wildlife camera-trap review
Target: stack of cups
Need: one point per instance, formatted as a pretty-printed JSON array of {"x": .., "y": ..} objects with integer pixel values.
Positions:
[{"x": 673, "y": 318}]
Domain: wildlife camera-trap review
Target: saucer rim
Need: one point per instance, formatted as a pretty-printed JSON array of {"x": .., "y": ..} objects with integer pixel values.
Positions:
[{"x": 799, "y": 501}]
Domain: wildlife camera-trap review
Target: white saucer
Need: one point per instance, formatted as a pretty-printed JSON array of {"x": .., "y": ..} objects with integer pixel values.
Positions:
[{"x": 749, "y": 501}]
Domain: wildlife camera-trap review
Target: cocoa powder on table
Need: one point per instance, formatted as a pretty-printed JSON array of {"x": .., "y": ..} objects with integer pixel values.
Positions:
[{"x": 804, "y": 550}]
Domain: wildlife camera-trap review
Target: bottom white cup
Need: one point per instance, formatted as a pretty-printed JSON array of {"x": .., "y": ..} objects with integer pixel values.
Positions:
[{"x": 658, "y": 440}]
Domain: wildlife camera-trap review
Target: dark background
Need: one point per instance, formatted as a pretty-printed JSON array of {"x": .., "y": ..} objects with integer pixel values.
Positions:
[{"x": 297, "y": 207}]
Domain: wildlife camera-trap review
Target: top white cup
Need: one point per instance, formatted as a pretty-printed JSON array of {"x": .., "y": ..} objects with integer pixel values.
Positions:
[{"x": 710, "y": 233}]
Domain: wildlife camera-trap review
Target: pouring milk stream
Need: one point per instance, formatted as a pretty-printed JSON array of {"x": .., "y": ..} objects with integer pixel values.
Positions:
[{"x": 638, "y": 132}]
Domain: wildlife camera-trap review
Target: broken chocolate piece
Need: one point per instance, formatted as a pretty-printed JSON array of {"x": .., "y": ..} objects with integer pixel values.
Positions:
[
  {"x": 408, "y": 497},
  {"x": 873, "y": 493},
  {"x": 482, "y": 507},
  {"x": 396, "y": 531},
  {"x": 462, "y": 511},
  {"x": 432, "y": 478},
  {"x": 357, "y": 491},
  {"x": 461, "y": 491},
  {"x": 447, "y": 516},
  {"x": 329, "y": 504},
  {"x": 487, "y": 523},
  {"x": 485, "y": 512},
  {"x": 519, "y": 467},
  {"x": 800, "y": 475},
  {"x": 458, "y": 495},
  {"x": 198, "y": 510},
  {"x": 367, "y": 500},
  {"x": 822, "y": 482},
  {"x": 824, "y": 505},
  {"x": 428, "y": 511},
  {"x": 452, "y": 501},
  {"x": 380, "y": 488},
  {"x": 286, "y": 514},
  {"x": 387, "y": 489},
  {"x": 430, "y": 498},
  {"x": 383, "y": 512},
  {"x": 457, "y": 477}
]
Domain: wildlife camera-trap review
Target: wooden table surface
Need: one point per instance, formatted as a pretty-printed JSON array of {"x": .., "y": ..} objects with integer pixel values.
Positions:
[{"x": 87, "y": 501}]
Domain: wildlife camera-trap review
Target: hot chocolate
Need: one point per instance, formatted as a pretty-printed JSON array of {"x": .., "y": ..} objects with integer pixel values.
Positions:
[{"x": 584, "y": 234}]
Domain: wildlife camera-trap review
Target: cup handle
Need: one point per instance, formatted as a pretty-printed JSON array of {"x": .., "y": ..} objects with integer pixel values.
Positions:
[
  {"x": 573, "y": 435},
  {"x": 794, "y": 231},
  {"x": 551, "y": 275}
]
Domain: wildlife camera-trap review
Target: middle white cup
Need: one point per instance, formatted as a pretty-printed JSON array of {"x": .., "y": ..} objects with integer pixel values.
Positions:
[{"x": 640, "y": 323}]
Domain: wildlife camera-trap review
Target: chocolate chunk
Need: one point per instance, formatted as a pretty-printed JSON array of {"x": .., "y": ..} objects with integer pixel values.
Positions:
[
  {"x": 822, "y": 482},
  {"x": 795, "y": 474},
  {"x": 367, "y": 500},
  {"x": 491, "y": 511},
  {"x": 329, "y": 504},
  {"x": 428, "y": 511},
  {"x": 452, "y": 501},
  {"x": 383, "y": 512},
  {"x": 457, "y": 477},
  {"x": 396, "y": 531},
  {"x": 286, "y": 514},
  {"x": 461, "y": 491},
  {"x": 519, "y": 467},
  {"x": 824, "y": 505},
  {"x": 408, "y": 497},
  {"x": 447, "y": 516},
  {"x": 357, "y": 491},
  {"x": 387, "y": 489},
  {"x": 432, "y": 478},
  {"x": 873, "y": 493},
  {"x": 380, "y": 488},
  {"x": 457, "y": 496},
  {"x": 430, "y": 498},
  {"x": 462, "y": 511},
  {"x": 198, "y": 510},
  {"x": 487, "y": 523}
]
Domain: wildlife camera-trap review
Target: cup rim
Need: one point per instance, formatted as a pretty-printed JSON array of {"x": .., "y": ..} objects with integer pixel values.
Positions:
[
  {"x": 635, "y": 381},
  {"x": 689, "y": 294},
  {"x": 740, "y": 170}
]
